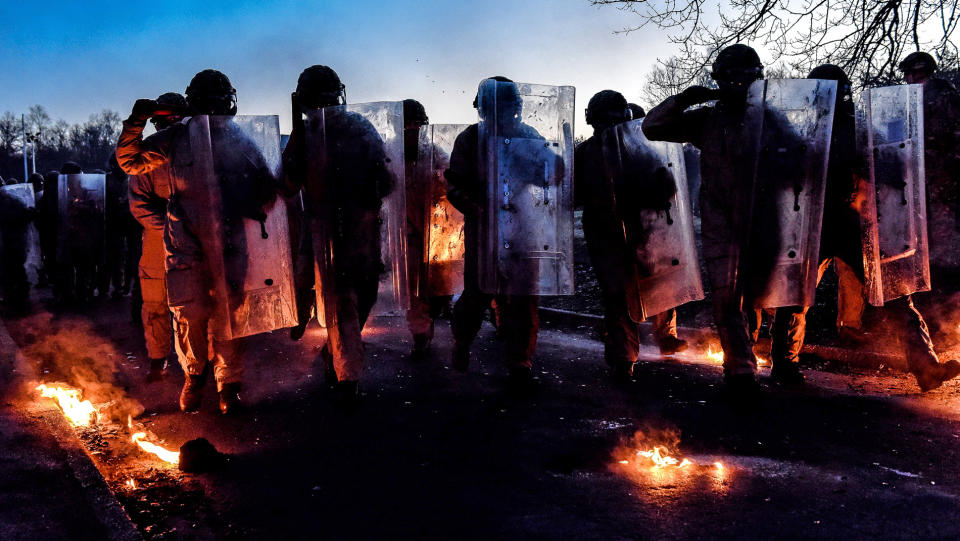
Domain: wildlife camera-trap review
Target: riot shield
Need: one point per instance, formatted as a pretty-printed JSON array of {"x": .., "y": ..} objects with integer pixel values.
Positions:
[
  {"x": 233, "y": 165},
  {"x": 24, "y": 194},
  {"x": 81, "y": 206},
  {"x": 665, "y": 271},
  {"x": 893, "y": 216},
  {"x": 443, "y": 242},
  {"x": 321, "y": 214},
  {"x": 526, "y": 166},
  {"x": 789, "y": 187},
  {"x": 387, "y": 118},
  {"x": 354, "y": 156}
]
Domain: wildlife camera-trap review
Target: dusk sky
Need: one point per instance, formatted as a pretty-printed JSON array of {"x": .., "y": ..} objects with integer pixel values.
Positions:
[{"x": 77, "y": 58}]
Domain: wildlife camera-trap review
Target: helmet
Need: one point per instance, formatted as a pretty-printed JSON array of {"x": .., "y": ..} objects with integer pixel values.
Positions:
[
  {"x": 832, "y": 72},
  {"x": 175, "y": 107},
  {"x": 320, "y": 86},
  {"x": 607, "y": 107},
  {"x": 637, "y": 111},
  {"x": 70, "y": 168},
  {"x": 413, "y": 112},
  {"x": 37, "y": 180},
  {"x": 918, "y": 61},
  {"x": 172, "y": 99},
  {"x": 500, "y": 78},
  {"x": 210, "y": 93},
  {"x": 738, "y": 61}
]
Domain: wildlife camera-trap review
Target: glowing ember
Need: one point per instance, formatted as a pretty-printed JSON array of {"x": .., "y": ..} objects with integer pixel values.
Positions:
[
  {"x": 761, "y": 361},
  {"x": 79, "y": 413},
  {"x": 718, "y": 465},
  {"x": 167, "y": 456},
  {"x": 661, "y": 460},
  {"x": 131, "y": 484}
]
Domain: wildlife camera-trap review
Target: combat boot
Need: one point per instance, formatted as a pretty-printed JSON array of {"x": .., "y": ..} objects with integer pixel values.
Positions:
[
  {"x": 787, "y": 374},
  {"x": 671, "y": 344},
  {"x": 297, "y": 332},
  {"x": 934, "y": 375},
  {"x": 230, "y": 398},
  {"x": 192, "y": 392}
]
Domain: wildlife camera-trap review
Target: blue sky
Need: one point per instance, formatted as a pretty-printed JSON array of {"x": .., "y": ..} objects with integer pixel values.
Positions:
[{"x": 77, "y": 58}]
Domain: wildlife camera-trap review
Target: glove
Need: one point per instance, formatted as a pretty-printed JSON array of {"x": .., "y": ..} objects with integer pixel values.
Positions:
[
  {"x": 697, "y": 94},
  {"x": 143, "y": 109}
]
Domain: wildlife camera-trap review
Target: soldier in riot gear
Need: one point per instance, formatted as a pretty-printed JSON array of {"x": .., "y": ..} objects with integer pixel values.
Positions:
[
  {"x": 78, "y": 238},
  {"x": 122, "y": 236},
  {"x": 252, "y": 189},
  {"x": 148, "y": 196},
  {"x": 466, "y": 188},
  {"x": 941, "y": 130},
  {"x": 611, "y": 253},
  {"x": 840, "y": 242},
  {"x": 732, "y": 246},
  {"x": 15, "y": 218},
  {"x": 424, "y": 309},
  {"x": 342, "y": 205}
]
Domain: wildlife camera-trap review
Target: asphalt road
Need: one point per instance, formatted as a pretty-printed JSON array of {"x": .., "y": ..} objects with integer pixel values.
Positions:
[{"x": 435, "y": 454}]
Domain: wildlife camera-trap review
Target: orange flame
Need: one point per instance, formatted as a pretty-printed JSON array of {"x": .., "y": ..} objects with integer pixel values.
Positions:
[
  {"x": 79, "y": 413},
  {"x": 661, "y": 459},
  {"x": 172, "y": 457},
  {"x": 131, "y": 484},
  {"x": 716, "y": 356}
]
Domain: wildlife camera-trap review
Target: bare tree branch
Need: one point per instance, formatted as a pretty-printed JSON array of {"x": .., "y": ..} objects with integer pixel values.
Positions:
[{"x": 867, "y": 38}]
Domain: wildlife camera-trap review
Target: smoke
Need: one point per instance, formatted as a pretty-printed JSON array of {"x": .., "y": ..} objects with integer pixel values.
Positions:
[{"x": 71, "y": 352}]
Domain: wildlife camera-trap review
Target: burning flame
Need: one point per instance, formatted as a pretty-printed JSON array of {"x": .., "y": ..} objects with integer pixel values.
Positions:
[
  {"x": 131, "y": 484},
  {"x": 172, "y": 457},
  {"x": 79, "y": 413},
  {"x": 716, "y": 356},
  {"x": 661, "y": 459}
]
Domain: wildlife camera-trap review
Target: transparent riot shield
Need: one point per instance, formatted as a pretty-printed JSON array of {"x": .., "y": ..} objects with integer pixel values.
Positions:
[
  {"x": 23, "y": 193},
  {"x": 526, "y": 165},
  {"x": 231, "y": 170},
  {"x": 81, "y": 204},
  {"x": 354, "y": 157},
  {"x": 658, "y": 236},
  {"x": 386, "y": 117},
  {"x": 787, "y": 211},
  {"x": 443, "y": 239},
  {"x": 893, "y": 214}
]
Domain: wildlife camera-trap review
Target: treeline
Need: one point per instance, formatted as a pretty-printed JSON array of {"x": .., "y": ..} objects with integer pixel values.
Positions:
[{"x": 90, "y": 144}]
